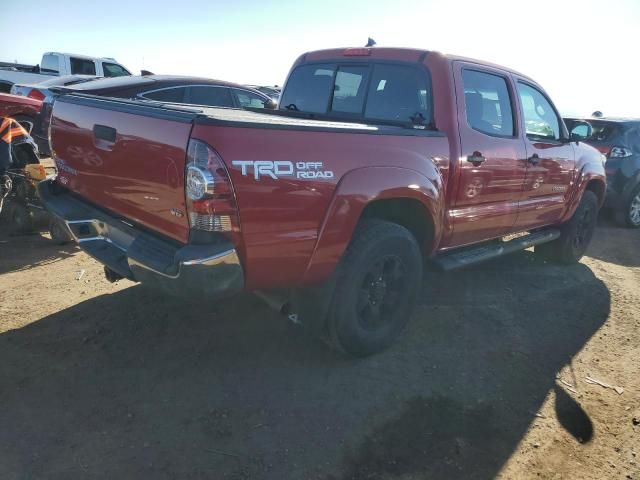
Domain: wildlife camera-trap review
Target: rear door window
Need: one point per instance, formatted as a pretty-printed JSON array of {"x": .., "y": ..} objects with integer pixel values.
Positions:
[
  {"x": 487, "y": 103},
  {"x": 171, "y": 95},
  {"x": 209, "y": 96},
  {"x": 82, "y": 66}
]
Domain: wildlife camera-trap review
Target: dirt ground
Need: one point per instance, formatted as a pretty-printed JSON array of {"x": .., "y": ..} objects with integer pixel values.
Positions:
[{"x": 115, "y": 381}]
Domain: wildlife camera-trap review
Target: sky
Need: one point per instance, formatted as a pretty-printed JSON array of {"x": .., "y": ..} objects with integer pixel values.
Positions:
[{"x": 584, "y": 53}]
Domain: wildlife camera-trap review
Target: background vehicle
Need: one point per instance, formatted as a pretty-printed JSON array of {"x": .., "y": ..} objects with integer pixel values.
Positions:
[
  {"x": 335, "y": 198},
  {"x": 41, "y": 90},
  {"x": 162, "y": 88},
  {"x": 273, "y": 92},
  {"x": 619, "y": 140},
  {"x": 55, "y": 64},
  {"x": 24, "y": 110},
  {"x": 20, "y": 171}
]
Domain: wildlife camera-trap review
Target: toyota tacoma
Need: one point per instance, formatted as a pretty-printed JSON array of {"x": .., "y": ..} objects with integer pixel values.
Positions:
[{"x": 378, "y": 163}]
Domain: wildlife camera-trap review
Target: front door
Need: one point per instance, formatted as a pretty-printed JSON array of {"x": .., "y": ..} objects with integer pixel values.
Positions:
[
  {"x": 550, "y": 161},
  {"x": 492, "y": 167}
]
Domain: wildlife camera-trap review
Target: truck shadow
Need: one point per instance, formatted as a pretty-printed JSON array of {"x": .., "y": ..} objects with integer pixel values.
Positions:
[
  {"x": 22, "y": 252},
  {"x": 138, "y": 385},
  {"x": 615, "y": 244}
]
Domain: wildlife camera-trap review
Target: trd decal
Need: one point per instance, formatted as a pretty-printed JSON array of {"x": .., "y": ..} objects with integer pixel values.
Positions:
[{"x": 282, "y": 168}]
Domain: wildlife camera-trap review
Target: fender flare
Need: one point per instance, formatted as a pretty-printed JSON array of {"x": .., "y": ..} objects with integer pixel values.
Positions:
[
  {"x": 356, "y": 189},
  {"x": 589, "y": 171}
]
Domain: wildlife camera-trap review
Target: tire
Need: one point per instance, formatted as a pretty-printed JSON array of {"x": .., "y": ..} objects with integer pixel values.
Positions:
[
  {"x": 629, "y": 215},
  {"x": 575, "y": 234},
  {"x": 59, "y": 232},
  {"x": 377, "y": 285}
]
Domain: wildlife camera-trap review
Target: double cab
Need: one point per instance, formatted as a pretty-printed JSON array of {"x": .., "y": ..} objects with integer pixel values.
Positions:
[{"x": 378, "y": 163}]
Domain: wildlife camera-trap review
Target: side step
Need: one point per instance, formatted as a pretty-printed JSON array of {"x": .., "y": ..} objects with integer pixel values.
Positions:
[{"x": 467, "y": 256}]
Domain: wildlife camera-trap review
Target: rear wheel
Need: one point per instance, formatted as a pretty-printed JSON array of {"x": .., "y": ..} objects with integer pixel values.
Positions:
[
  {"x": 378, "y": 283},
  {"x": 575, "y": 235},
  {"x": 629, "y": 216}
]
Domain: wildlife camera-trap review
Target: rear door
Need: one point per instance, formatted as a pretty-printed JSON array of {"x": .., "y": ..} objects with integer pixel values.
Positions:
[
  {"x": 550, "y": 160},
  {"x": 492, "y": 168}
]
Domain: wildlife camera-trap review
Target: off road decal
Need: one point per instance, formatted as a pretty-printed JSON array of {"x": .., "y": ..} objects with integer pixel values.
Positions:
[{"x": 282, "y": 168}]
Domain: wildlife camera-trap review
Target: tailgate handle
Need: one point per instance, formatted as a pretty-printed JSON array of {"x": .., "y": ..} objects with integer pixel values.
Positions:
[{"x": 105, "y": 135}]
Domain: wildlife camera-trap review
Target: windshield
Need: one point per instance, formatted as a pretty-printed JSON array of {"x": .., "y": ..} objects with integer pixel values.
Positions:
[{"x": 374, "y": 92}]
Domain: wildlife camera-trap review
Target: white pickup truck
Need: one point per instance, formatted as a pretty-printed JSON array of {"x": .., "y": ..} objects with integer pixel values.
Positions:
[{"x": 56, "y": 64}]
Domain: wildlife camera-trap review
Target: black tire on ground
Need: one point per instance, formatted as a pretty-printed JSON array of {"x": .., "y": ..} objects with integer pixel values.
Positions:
[
  {"x": 59, "y": 232},
  {"x": 629, "y": 214},
  {"x": 378, "y": 282},
  {"x": 20, "y": 218},
  {"x": 575, "y": 234}
]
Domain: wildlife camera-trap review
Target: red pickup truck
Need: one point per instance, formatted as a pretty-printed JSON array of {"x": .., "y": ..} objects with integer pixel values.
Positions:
[{"x": 377, "y": 159}]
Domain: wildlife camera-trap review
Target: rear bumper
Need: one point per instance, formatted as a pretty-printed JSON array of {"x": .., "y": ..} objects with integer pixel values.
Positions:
[{"x": 208, "y": 271}]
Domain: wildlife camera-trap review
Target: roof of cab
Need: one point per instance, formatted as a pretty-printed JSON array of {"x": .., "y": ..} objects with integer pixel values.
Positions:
[
  {"x": 84, "y": 57},
  {"x": 398, "y": 54}
]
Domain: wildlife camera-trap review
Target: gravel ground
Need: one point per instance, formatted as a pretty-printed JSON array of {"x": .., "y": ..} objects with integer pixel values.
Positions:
[{"x": 102, "y": 380}]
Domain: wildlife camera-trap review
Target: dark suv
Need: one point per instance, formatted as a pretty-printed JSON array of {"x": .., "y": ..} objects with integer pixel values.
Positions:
[{"x": 619, "y": 140}]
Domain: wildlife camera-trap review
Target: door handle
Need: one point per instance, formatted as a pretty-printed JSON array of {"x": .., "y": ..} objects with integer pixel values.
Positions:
[
  {"x": 476, "y": 158},
  {"x": 534, "y": 159}
]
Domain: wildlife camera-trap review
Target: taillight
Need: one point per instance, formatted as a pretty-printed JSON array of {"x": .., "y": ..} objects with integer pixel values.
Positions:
[
  {"x": 210, "y": 199},
  {"x": 36, "y": 94},
  {"x": 620, "y": 152}
]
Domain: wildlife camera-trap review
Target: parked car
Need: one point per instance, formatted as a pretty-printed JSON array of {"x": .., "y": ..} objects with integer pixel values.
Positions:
[
  {"x": 619, "y": 140},
  {"x": 273, "y": 92},
  {"x": 160, "y": 88},
  {"x": 22, "y": 109},
  {"x": 41, "y": 90},
  {"x": 337, "y": 197},
  {"x": 56, "y": 64}
]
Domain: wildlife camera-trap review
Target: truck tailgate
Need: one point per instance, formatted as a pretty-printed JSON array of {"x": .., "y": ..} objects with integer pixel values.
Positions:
[{"x": 125, "y": 157}]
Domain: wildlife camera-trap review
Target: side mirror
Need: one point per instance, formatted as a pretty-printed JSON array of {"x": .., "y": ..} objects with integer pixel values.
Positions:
[
  {"x": 581, "y": 131},
  {"x": 270, "y": 105}
]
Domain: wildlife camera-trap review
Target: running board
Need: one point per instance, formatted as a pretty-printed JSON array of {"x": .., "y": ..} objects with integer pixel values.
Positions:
[{"x": 472, "y": 255}]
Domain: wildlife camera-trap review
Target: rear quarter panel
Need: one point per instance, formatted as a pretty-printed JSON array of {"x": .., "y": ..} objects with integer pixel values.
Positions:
[{"x": 282, "y": 219}]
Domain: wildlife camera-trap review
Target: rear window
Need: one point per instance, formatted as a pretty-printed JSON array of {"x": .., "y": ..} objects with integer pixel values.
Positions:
[
  {"x": 49, "y": 64},
  {"x": 82, "y": 66},
  {"x": 382, "y": 92}
]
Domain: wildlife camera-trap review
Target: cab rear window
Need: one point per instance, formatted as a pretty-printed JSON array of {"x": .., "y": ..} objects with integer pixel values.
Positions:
[{"x": 375, "y": 92}]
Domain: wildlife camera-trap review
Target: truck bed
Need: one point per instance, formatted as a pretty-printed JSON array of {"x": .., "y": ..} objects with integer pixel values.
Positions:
[{"x": 277, "y": 119}]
